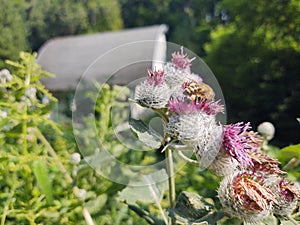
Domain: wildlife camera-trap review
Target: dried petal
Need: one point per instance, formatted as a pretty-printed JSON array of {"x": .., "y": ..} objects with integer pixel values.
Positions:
[{"x": 244, "y": 195}]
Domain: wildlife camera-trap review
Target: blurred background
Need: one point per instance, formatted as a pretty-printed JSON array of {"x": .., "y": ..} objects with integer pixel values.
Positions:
[{"x": 252, "y": 47}]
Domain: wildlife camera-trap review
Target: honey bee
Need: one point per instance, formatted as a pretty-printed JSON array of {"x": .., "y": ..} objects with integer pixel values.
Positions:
[{"x": 198, "y": 91}]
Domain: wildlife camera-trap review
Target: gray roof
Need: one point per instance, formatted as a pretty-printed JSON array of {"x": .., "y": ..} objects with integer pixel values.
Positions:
[{"x": 120, "y": 56}]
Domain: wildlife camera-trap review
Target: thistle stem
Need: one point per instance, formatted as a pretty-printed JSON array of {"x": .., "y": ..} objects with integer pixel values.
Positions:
[
  {"x": 195, "y": 162},
  {"x": 171, "y": 180}
]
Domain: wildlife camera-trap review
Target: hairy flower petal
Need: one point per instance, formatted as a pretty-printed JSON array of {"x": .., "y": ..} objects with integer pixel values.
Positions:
[
  {"x": 185, "y": 106},
  {"x": 237, "y": 142},
  {"x": 181, "y": 60}
]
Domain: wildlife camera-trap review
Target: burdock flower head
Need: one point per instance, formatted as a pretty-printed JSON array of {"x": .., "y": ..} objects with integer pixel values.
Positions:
[
  {"x": 244, "y": 195},
  {"x": 264, "y": 164},
  {"x": 153, "y": 92},
  {"x": 241, "y": 150},
  {"x": 286, "y": 195},
  {"x": 178, "y": 71},
  {"x": 185, "y": 106},
  {"x": 181, "y": 60},
  {"x": 195, "y": 125},
  {"x": 238, "y": 141}
]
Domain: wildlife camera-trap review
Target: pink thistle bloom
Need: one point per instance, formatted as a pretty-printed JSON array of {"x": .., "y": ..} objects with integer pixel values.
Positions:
[
  {"x": 181, "y": 61},
  {"x": 181, "y": 106},
  {"x": 210, "y": 108},
  {"x": 155, "y": 77},
  {"x": 236, "y": 142},
  {"x": 184, "y": 106}
]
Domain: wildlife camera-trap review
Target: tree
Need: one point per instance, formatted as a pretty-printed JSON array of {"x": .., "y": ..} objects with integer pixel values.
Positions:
[
  {"x": 13, "y": 30},
  {"x": 255, "y": 58},
  {"x": 53, "y": 18}
]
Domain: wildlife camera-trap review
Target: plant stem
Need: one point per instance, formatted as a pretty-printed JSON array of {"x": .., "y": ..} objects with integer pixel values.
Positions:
[
  {"x": 24, "y": 130},
  {"x": 85, "y": 212},
  {"x": 54, "y": 155},
  {"x": 195, "y": 162},
  {"x": 170, "y": 171},
  {"x": 292, "y": 220},
  {"x": 87, "y": 216}
]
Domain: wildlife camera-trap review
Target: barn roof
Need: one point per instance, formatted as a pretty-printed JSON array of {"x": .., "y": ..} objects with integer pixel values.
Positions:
[{"x": 118, "y": 56}]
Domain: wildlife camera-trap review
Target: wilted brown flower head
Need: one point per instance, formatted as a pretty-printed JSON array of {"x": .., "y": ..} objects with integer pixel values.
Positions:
[{"x": 244, "y": 195}]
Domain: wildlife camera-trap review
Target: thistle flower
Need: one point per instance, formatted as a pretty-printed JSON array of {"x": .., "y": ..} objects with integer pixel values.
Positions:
[
  {"x": 181, "y": 60},
  {"x": 286, "y": 195},
  {"x": 153, "y": 92},
  {"x": 224, "y": 164},
  {"x": 244, "y": 195},
  {"x": 195, "y": 125},
  {"x": 155, "y": 77},
  {"x": 264, "y": 164},
  {"x": 238, "y": 141},
  {"x": 185, "y": 106},
  {"x": 178, "y": 71}
]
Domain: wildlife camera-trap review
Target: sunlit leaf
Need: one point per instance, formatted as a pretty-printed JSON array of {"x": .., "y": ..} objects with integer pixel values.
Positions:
[
  {"x": 292, "y": 151},
  {"x": 145, "y": 134},
  {"x": 190, "y": 208},
  {"x": 40, "y": 171},
  {"x": 147, "y": 191},
  {"x": 95, "y": 205}
]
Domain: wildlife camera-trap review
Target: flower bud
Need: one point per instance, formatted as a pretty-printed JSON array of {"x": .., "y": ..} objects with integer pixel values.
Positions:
[
  {"x": 75, "y": 158},
  {"x": 267, "y": 130},
  {"x": 81, "y": 193},
  {"x": 5, "y": 76}
]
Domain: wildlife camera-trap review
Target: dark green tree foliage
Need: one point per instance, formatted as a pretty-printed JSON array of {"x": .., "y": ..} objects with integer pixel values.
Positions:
[
  {"x": 28, "y": 24},
  {"x": 51, "y": 18},
  {"x": 186, "y": 19},
  {"x": 13, "y": 32},
  {"x": 256, "y": 60},
  {"x": 190, "y": 22}
]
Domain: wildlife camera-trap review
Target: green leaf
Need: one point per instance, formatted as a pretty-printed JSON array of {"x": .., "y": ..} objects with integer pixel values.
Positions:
[
  {"x": 95, "y": 205},
  {"x": 147, "y": 191},
  {"x": 145, "y": 134},
  {"x": 270, "y": 220},
  {"x": 190, "y": 208},
  {"x": 292, "y": 151},
  {"x": 40, "y": 171}
]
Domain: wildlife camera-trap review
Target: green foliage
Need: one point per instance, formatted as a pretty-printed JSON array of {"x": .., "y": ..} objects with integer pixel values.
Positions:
[
  {"x": 152, "y": 192},
  {"x": 28, "y": 24},
  {"x": 40, "y": 171},
  {"x": 255, "y": 59},
  {"x": 29, "y": 171},
  {"x": 13, "y": 28},
  {"x": 47, "y": 19},
  {"x": 190, "y": 208},
  {"x": 145, "y": 134}
]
